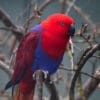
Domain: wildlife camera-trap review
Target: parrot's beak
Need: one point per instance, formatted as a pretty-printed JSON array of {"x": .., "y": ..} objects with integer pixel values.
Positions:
[{"x": 71, "y": 30}]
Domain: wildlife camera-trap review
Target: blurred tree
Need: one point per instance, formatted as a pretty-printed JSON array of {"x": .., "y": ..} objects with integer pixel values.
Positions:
[{"x": 19, "y": 15}]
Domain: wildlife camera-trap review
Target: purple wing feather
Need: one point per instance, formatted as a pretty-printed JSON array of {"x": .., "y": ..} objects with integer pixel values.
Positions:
[
  {"x": 23, "y": 61},
  {"x": 25, "y": 54}
]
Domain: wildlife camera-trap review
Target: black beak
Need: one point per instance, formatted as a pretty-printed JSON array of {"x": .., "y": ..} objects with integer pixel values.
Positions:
[{"x": 71, "y": 30}]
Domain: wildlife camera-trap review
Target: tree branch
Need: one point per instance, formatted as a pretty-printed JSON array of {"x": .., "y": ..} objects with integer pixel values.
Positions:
[
  {"x": 18, "y": 31},
  {"x": 90, "y": 85},
  {"x": 80, "y": 12},
  {"x": 39, "y": 83},
  {"x": 52, "y": 89},
  {"x": 80, "y": 65},
  {"x": 5, "y": 68},
  {"x": 63, "y": 6},
  {"x": 41, "y": 8}
]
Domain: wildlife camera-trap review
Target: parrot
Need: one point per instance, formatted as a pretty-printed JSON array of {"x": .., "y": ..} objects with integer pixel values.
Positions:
[{"x": 42, "y": 48}]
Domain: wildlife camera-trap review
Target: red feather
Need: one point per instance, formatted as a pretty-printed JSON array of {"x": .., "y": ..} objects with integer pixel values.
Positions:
[
  {"x": 55, "y": 38},
  {"x": 23, "y": 61}
]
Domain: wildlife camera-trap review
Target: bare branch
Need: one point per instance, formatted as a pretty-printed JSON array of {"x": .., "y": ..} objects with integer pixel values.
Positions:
[
  {"x": 41, "y": 8},
  {"x": 16, "y": 30},
  {"x": 13, "y": 44},
  {"x": 5, "y": 68},
  {"x": 45, "y": 4},
  {"x": 83, "y": 30},
  {"x": 84, "y": 73},
  {"x": 80, "y": 64},
  {"x": 39, "y": 83},
  {"x": 63, "y": 6},
  {"x": 84, "y": 15},
  {"x": 52, "y": 89},
  {"x": 70, "y": 6},
  {"x": 90, "y": 85},
  {"x": 5, "y": 18}
]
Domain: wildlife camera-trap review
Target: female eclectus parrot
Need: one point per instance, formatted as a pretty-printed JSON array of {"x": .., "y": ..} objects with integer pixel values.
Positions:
[{"x": 41, "y": 49}]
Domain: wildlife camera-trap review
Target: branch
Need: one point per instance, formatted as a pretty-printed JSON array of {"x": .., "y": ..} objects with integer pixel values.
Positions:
[
  {"x": 80, "y": 12},
  {"x": 39, "y": 83},
  {"x": 50, "y": 86},
  {"x": 84, "y": 73},
  {"x": 82, "y": 31},
  {"x": 13, "y": 44},
  {"x": 52, "y": 89},
  {"x": 90, "y": 85},
  {"x": 45, "y": 4},
  {"x": 18, "y": 31},
  {"x": 63, "y": 6},
  {"x": 88, "y": 53},
  {"x": 41, "y": 8},
  {"x": 5, "y": 68},
  {"x": 5, "y": 18},
  {"x": 70, "y": 5}
]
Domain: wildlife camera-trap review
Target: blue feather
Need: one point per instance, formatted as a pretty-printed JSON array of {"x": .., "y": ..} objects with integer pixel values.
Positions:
[{"x": 42, "y": 61}]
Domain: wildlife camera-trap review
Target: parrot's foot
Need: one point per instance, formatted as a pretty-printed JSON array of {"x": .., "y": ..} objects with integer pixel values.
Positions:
[{"x": 45, "y": 74}]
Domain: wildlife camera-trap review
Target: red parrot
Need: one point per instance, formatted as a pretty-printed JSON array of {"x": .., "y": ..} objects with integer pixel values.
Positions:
[{"x": 41, "y": 49}]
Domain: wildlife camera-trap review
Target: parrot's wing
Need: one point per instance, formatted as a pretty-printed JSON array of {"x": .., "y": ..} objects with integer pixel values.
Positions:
[{"x": 24, "y": 57}]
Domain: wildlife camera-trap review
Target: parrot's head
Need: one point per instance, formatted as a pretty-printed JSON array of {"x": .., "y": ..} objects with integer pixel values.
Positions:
[
  {"x": 58, "y": 28},
  {"x": 61, "y": 24}
]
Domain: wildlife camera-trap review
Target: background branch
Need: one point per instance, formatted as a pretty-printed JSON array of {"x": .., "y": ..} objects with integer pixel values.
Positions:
[
  {"x": 18, "y": 31},
  {"x": 80, "y": 65},
  {"x": 5, "y": 68},
  {"x": 90, "y": 85}
]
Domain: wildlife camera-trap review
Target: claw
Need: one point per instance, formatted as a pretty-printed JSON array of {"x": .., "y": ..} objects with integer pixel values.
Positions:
[
  {"x": 44, "y": 72},
  {"x": 34, "y": 76}
]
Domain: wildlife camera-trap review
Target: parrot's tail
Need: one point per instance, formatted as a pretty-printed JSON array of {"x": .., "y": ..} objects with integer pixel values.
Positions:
[
  {"x": 11, "y": 84},
  {"x": 26, "y": 86},
  {"x": 25, "y": 89},
  {"x": 23, "y": 96}
]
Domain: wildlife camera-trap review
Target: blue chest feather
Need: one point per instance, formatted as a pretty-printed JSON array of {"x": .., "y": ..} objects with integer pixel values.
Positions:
[{"x": 42, "y": 60}]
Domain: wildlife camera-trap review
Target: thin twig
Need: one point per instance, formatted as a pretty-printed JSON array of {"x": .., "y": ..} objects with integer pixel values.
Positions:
[
  {"x": 18, "y": 31},
  {"x": 90, "y": 85},
  {"x": 5, "y": 68},
  {"x": 39, "y": 83},
  {"x": 70, "y": 6},
  {"x": 84, "y": 15},
  {"x": 63, "y": 6},
  {"x": 13, "y": 44},
  {"x": 41, "y": 8},
  {"x": 80, "y": 64},
  {"x": 84, "y": 73}
]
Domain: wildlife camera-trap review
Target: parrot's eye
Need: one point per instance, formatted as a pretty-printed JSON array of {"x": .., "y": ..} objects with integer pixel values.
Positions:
[{"x": 62, "y": 23}]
